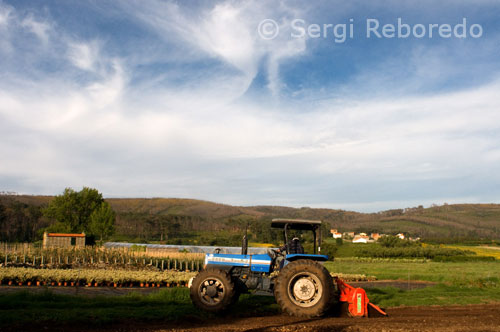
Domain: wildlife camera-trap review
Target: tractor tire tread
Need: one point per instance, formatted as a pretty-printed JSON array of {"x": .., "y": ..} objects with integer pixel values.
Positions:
[
  {"x": 283, "y": 298},
  {"x": 229, "y": 296}
]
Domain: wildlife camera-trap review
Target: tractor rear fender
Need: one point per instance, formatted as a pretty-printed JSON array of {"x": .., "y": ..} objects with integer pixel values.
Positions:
[{"x": 318, "y": 258}]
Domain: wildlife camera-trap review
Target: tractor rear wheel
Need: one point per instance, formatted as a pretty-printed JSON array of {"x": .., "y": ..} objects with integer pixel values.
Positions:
[
  {"x": 304, "y": 288},
  {"x": 212, "y": 290}
]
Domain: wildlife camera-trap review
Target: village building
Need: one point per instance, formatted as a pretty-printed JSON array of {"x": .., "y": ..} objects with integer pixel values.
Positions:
[
  {"x": 349, "y": 235},
  {"x": 401, "y": 236},
  {"x": 335, "y": 233},
  {"x": 360, "y": 239}
]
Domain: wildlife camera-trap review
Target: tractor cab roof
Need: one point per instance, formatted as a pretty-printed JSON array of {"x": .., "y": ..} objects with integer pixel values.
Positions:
[{"x": 298, "y": 224}]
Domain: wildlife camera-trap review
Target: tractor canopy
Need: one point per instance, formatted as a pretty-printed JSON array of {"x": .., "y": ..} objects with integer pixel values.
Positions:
[
  {"x": 300, "y": 224},
  {"x": 296, "y": 224}
]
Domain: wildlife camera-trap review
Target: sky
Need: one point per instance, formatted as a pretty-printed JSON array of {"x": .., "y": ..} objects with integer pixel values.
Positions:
[{"x": 253, "y": 102}]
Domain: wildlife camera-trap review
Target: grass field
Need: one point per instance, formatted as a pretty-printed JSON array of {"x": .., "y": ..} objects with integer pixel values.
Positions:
[
  {"x": 469, "y": 274},
  {"x": 456, "y": 283},
  {"x": 23, "y": 307},
  {"x": 479, "y": 250},
  {"x": 440, "y": 294}
]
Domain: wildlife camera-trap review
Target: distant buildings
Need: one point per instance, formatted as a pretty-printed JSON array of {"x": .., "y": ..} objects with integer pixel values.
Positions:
[
  {"x": 335, "y": 234},
  {"x": 348, "y": 235},
  {"x": 360, "y": 239},
  {"x": 363, "y": 237}
]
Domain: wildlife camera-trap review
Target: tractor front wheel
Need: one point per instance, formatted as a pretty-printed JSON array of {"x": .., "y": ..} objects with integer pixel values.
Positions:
[
  {"x": 304, "y": 288},
  {"x": 212, "y": 290}
]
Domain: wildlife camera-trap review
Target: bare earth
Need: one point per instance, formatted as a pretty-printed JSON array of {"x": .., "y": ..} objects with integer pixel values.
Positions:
[
  {"x": 485, "y": 317},
  {"x": 457, "y": 318}
]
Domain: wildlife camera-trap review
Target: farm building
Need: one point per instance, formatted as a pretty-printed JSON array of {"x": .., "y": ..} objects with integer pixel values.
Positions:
[
  {"x": 335, "y": 234},
  {"x": 360, "y": 239},
  {"x": 349, "y": 235},
  {"x": 63, "y": 240}
]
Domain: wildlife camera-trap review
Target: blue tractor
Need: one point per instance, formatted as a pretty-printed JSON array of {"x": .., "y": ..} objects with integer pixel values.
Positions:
[{"x": 300, "y": 283}]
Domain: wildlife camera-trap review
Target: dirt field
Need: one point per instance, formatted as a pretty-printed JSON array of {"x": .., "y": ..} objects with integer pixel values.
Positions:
[
  {"x": 460, "y": 318},
  {"x": 478, "y": 318}
]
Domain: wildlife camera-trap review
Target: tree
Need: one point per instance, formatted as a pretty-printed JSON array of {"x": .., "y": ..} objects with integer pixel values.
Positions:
[
  {"x": 390, "y": 241},
  {"x": 72, "y": 210},
  {"x": 102, "y": 221}
]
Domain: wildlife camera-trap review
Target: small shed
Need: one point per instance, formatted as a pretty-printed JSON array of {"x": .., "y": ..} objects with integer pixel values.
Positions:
[{"x": 63, "y": 240}]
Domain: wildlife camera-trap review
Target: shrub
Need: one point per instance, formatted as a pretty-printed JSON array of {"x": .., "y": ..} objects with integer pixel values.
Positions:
[
  {"x": 329, "y": 249},
  {"x": 411, "y": 252},
  {"x": 464, "y": 259}
]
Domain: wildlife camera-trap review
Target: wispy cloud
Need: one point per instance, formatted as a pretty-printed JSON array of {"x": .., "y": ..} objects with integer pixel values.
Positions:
[
  {"x": 84, "y": 55},
  {"x": 39, "y": 28}
]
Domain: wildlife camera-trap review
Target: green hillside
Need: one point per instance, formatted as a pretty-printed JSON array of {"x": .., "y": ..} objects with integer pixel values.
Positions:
[{"x": 196, "y": 221}]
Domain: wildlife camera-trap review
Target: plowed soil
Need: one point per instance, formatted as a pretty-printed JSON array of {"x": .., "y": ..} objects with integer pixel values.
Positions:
[{"x": 484, "y": 317}]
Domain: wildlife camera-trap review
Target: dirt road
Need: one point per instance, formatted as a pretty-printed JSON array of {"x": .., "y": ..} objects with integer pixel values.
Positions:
[{"x": 454, "y": 318}]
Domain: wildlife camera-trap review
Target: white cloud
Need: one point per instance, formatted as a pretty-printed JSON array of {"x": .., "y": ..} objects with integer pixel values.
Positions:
[
  {"x": 228, "y": 32},
  {"x": 84, "y": 55},
  {"x": 5, "y": 14},
  {"x": 39, "y": 28}
]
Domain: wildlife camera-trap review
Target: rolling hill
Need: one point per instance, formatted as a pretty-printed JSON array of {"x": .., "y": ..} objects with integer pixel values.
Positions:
[{"x": 156, "y": 218}]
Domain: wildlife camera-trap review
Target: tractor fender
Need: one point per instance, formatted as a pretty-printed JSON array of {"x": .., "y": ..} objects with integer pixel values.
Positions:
[{"x": 317, "y": 258}]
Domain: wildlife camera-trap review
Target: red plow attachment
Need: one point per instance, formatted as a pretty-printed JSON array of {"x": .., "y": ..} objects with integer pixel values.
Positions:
[{"x": 355, "y": 303}]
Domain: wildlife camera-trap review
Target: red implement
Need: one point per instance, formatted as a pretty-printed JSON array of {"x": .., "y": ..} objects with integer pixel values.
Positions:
[{"x": 357, "y": 302}]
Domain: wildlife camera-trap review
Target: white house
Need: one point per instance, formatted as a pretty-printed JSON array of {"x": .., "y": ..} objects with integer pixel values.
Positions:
[{"x": 360, "y": 239}]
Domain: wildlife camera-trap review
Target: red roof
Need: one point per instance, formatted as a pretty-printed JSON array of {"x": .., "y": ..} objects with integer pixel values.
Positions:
[{"x": 65, "y": 235}]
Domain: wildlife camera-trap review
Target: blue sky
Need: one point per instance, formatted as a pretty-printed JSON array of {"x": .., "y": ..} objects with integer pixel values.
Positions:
[{"x": 186, "y": 99}]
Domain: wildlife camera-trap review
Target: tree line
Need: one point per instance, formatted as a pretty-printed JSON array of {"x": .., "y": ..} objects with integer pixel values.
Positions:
[
  {"x": 83, "y": 211},
  {"x": 179, "y": 222}
]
